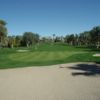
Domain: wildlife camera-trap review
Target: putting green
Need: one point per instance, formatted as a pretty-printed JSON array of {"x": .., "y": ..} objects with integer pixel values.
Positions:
[
  {"x": 40, "y": 56},
  {"x": 45, "y": 55}
]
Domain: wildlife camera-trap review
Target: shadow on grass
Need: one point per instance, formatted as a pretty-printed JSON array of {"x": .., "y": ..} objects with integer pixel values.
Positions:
[
  {"x": 92, "y": 49},
  {"x": 86, "y": 69}
]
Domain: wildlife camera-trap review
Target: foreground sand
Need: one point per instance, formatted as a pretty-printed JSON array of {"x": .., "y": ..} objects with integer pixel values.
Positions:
[{"x": 57, "y": 82}]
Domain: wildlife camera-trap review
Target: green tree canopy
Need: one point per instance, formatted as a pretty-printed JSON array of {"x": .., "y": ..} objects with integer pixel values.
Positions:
[
  {"x": 29, "y": 38},
  {"x": 2, "y": 22},
  {"x": 95, "y": 35},
  {"x": 3, "y": 30}
]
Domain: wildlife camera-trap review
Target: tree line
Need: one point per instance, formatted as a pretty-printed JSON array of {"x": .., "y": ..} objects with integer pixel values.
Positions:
[
  {"x": 27, "y": 39},
  {"x": 87, "y": 38}
]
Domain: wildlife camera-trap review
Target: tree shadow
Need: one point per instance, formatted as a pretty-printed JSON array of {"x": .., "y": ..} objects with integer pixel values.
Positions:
[
  {"x": 92, "y": 49},
  {"x": 86, "y": 69}
]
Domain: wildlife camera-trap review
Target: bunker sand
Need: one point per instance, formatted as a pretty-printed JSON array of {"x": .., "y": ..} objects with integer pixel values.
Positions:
[{"x": 55, "y": 82}]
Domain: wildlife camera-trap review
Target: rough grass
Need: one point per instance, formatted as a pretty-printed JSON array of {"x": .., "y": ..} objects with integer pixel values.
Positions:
[{"x": 46, "y": 54}]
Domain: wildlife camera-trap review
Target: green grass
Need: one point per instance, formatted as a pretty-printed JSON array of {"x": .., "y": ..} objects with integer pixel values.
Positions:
[{"x": 46, "y": 54}]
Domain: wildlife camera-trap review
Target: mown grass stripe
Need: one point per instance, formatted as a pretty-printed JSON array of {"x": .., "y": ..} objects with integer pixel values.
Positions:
[{"x": 40, "y": 56}]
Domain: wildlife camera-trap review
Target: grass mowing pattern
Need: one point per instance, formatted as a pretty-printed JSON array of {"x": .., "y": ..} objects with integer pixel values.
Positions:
[
  {"x": 46, "y": 54},
  {"x": 40, "y": 56}
]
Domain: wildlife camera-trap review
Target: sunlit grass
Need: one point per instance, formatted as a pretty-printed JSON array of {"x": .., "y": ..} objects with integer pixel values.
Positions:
[{"x": 45, "y": 54}]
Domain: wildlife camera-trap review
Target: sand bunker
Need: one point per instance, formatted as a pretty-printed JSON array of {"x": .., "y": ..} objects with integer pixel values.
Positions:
[
  {"x": 96, "y": 55},
  {"x": 55, "y": 82},
  {"x": 22, "y": 50}
]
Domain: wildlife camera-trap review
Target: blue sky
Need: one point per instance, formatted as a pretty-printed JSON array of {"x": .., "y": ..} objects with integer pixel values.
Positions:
[{"x": 48, "y": 17}]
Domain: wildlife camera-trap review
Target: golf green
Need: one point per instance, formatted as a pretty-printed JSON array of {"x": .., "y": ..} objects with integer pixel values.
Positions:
[{"x": 45, "y": 54}]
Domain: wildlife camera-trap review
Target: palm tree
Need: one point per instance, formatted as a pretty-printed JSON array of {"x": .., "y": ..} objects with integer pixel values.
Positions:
[
  {"x": 95, "y": 36},
  {"x": 3, "y": 31},
  {"x": 54, "y": 37}
]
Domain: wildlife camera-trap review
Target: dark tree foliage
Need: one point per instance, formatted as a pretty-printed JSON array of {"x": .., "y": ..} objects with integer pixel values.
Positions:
[
  {"x": 29, "y": 38},
  {"x": 3, "y": 32},
  {"x": 87, "y": 38}
]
